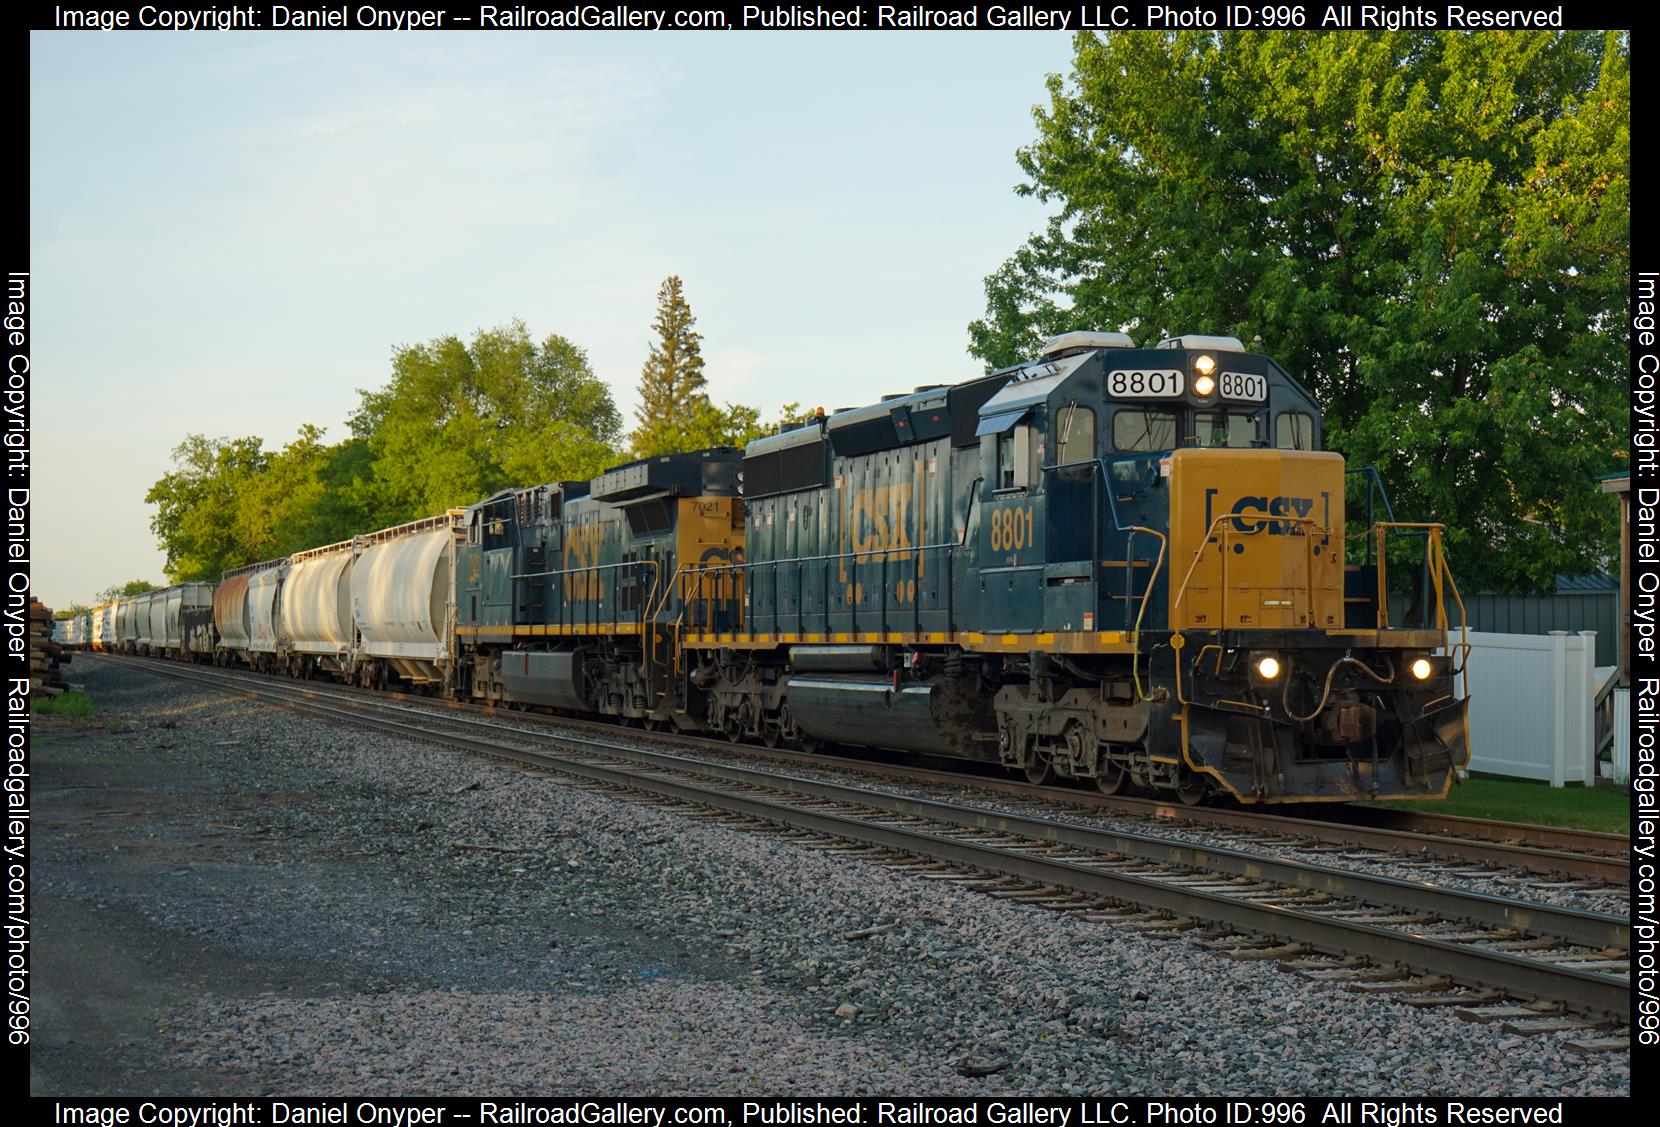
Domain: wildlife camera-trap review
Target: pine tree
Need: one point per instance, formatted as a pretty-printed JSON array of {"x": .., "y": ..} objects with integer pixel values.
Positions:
[{"x": 674, "y": 411}]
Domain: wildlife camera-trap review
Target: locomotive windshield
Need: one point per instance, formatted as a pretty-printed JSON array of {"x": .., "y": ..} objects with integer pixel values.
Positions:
[
  {"x": 1236, "y": 429},
  {"x": 1143, "y": 429},
  {"x": 1149, "y": 429}
]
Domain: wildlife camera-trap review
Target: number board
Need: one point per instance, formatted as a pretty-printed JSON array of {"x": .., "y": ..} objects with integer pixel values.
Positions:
[
  {"x": 1141, "y": 383},
  {"x": 1244, "y": 385}
]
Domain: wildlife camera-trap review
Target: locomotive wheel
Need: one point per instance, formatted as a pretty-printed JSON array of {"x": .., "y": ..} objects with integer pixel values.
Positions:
[
  {"x": 1038, "y": 770},
  {"x": 772, "y": 737},
  {"x": 1111, "y": 779},
  {"x": 1192, "y": 789},
  {"x": 812, "y": 745}
]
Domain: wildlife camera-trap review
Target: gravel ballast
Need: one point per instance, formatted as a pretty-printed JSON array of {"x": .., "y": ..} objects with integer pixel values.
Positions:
[{"x": 310, "y": 909}]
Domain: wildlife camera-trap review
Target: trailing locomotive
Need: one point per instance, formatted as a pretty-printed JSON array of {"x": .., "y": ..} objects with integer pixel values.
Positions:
[{"x": 1112, "y": 563}]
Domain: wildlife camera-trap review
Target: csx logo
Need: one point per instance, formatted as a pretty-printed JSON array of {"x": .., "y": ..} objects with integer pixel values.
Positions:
[
  {"x": 1255, "y": 513},
  {"x": 878, "y": 521},
  {"x": 583, "y": 543}
]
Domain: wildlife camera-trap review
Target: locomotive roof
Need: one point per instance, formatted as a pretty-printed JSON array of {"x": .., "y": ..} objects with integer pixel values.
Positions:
[{"x": 713, "y": 471}]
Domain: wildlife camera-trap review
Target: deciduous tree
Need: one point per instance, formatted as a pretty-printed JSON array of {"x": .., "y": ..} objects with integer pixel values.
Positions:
[
  {"x": 1431, "y": 230},
  {"x": 198, "y": 505},
  {"x": 460, "y": 421},
  {"x": 125, "y": 590}
]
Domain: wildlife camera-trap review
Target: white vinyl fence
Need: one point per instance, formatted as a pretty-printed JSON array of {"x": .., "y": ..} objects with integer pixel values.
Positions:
[
  {"x": 1620, "y": 770},
  {"x": 1531, "y": 705}
]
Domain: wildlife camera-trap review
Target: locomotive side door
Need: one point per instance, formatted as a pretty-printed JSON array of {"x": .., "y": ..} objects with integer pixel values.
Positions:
[{"x": 1012, "y": 527}]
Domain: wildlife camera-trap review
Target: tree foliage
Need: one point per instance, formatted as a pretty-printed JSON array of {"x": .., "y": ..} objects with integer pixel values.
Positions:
[
  {"x": 675, "y": 413},
  {"x": 460, "y": 421},
  {"x": 1431, "y": 230},
  {"x": 455, "y": 423},
  {"x": 199, "y": 505},
  {"x": 124, "y": 590}
]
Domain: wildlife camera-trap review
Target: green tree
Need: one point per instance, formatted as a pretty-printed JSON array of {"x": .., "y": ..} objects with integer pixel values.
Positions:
[
  {"x": 675, "y": 413},
  {"x": 308, "y": 494},
  {"x": 199, "y": 506},
  {"x": 1432, "y": 230},
  {"x": 125, "y": 590},
  {"x": 73, "y": 610},
  {"x": 460, "y": 421}
]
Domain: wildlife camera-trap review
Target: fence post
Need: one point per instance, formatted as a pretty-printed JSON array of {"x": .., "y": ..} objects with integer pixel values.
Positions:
[
  {"x": 1588, "y": 704},
  {"x": 1559, "y": 710}
]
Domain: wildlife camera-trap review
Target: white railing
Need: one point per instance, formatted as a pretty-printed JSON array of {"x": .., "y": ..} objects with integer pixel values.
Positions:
[
  {"x": 1532, "y": 705},
  {"x": 1620, "y": 769}
]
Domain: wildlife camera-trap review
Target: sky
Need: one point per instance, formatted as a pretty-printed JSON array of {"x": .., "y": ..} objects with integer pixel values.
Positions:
[{"x": 230, "y": 233}]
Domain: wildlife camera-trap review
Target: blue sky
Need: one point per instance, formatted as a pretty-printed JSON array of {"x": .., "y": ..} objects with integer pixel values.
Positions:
[{"x": 230, "y": 232}]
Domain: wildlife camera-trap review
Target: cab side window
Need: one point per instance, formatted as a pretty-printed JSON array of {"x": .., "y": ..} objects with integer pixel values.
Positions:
[
  {"x": 1074, "y": 435},
  {"x": 1015, "y": 450}
]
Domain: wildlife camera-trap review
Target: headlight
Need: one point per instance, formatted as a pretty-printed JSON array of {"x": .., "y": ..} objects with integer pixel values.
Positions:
[
  {"x": 1268, "y": 668},
  {"x": 1421, "y": 669},
  {"x": 1205, "y": 365},
  {"x": 1204, "y": 385}
]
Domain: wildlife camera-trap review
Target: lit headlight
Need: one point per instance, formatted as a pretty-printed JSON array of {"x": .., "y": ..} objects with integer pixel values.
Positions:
[
  {"x": 1204, "y": 385},
  {"x": 1205, "y": 365},
  {"x": 1421, "y": 669},
  {"x": 1268, "y": 668}
]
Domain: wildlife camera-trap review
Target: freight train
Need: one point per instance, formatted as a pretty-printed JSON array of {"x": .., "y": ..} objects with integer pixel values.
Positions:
[{"x": 1126, "y": 565}]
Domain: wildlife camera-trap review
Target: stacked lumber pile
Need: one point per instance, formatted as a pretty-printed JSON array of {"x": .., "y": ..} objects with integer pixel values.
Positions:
[{"x": 45, "y": 655}]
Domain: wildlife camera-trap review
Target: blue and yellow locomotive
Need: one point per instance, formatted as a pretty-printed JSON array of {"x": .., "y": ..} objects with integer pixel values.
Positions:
[{"x": 1112, "y": 563}]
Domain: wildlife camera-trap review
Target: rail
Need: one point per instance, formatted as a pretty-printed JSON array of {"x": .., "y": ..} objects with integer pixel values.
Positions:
[{"x": 1527, "y": 950}]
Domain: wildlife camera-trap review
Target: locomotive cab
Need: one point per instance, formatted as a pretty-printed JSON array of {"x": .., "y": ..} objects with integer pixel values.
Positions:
[
  {"x": 1178, "y": 496},
  {"x": 1172, "y": 506}
]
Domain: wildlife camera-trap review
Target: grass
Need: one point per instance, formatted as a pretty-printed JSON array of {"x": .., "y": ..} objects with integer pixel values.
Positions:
[
  {"x": 64, "y": 704},
  {"x": 1522, "y": 800}
]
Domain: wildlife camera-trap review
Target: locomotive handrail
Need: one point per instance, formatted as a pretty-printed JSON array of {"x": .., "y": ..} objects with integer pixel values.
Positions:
[
  {"x": 593, "y": 617},
  {"x": 1441, "y": 576},
  {"x": 746, "y": 569},
  {"x": 1099, "y": 464},
  {"x": 1222, "y": 521}
]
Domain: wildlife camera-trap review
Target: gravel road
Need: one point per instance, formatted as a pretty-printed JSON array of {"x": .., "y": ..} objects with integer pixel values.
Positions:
[{"x": 234, "y": 898}]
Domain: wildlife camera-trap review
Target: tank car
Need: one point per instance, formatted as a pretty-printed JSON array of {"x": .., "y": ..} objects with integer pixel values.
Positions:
[{"x": 1117, "y": 563}]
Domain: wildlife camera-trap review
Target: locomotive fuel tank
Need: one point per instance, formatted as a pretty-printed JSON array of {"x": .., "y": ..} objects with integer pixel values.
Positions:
[{"x": 940, "y": 716}]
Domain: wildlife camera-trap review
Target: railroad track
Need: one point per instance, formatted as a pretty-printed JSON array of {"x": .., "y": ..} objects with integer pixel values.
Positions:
[
  {"x": 1571, "y": 856},
  {"x": 1428, "y": 944}
]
